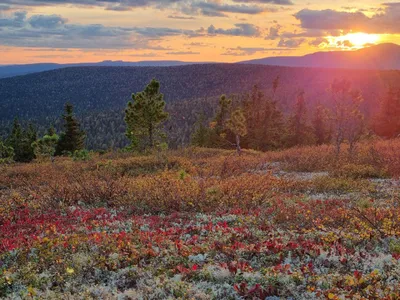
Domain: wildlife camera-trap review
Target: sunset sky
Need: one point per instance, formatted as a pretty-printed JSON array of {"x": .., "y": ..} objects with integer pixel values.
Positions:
[{"x": 189, "y": 30}]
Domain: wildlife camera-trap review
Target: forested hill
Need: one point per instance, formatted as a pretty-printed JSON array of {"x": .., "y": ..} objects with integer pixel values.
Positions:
[
  {"x": 97, "y": 90},
  {"x": 100, "y": 88}
]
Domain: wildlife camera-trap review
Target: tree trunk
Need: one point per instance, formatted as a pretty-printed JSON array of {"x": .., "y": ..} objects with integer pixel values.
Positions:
[
  {"x": 238, "y": 149},
  {"x": 151, "y": 142}
]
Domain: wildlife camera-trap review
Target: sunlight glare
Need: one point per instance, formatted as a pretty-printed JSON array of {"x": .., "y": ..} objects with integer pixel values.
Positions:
[{"x": 354, "y": 40}]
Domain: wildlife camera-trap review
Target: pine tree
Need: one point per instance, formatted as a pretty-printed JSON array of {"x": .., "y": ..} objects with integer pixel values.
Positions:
[
  {"x": 202, "y": 134},
  {"x": 222, "y": 115},
  {"x": 321, "y": 127},
  {"x": 265, "y": 122},
  {"x": 237, "y": 124},
  {"x": 144, "y": 114},
  {"x": 73, "y": 138},
  {"x": 6, "y": 152},
  {"x": 387, "y": 123},
  {"x": 300, "y": 132},
  {"x": 21, "y": 141}
]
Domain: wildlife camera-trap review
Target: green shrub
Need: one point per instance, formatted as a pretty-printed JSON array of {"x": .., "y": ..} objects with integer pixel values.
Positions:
[
  {"x": 355, "y": 171},
  {"x": 81, "y": 155}
]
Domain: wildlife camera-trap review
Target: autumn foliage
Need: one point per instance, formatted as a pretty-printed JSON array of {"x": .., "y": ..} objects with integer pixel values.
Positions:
[{"x": 204, "y": 224}]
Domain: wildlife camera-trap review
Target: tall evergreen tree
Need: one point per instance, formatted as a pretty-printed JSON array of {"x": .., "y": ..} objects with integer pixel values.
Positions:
[
  {"x": 265, "y": 122},
  {"x": 6, "y": 152},
  {"x": 73, "y": 138},
  {"x": 202, "y": 134},
  {"x": 222, "y": 114},
  {"x": 144, "y": 114},
  {"x": 321, "y": 127},
  {"x": 21, "y": 141},
  {"x": 387, "y": 122},
  {"x": 300, "y": 132}
]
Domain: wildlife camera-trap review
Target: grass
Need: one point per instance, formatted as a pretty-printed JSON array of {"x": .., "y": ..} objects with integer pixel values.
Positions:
[{"x": 203, "y": 224}]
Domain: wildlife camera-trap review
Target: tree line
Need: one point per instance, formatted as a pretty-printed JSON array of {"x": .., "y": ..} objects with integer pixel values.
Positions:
[
  {"x": 256, "y": 122},
  {"x": 252, "y": 121},
  {"x": 24, "y": 145}
]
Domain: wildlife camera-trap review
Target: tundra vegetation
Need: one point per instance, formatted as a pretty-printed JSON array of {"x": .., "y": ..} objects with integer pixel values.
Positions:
[{"x": 262, "y": 206}]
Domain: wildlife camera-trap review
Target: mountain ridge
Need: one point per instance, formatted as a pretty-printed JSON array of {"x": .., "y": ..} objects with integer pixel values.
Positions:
[
  {"x": 378, "y": 57},
  {"x": 7, "y": 71}
]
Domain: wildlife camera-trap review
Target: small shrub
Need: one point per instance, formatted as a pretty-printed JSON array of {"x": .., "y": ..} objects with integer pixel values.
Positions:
[
  {"x": 357, "y": 171},
  {"x": 81, "y": 155}
]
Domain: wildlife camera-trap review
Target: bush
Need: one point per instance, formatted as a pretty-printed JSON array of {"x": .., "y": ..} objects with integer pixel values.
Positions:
[
  {"x": 81, "y": 155},
  {"x": 357, "y": 171}
]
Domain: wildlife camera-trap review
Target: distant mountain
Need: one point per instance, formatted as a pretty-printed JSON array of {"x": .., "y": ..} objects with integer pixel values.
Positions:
[
  {"x": 16, "y": 70},
  {"x": 379, "y": 57}
]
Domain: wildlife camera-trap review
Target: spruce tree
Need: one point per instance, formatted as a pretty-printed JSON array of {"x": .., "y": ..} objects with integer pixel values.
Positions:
[
  {"x": 21, "y": 141},
  {"x": 387, "y": 123},
  {"x": 201, "y": 135},
  {"x": 6, "y": 152},
  {"x": 265, "y": 122},
  {"x": 300, "y": 132},
  {"x": 144, "y": 115},
  {"x": 321, "y": 127},
  {"x": 73, "y": 138},
  {"x": 222, "y": 114}
]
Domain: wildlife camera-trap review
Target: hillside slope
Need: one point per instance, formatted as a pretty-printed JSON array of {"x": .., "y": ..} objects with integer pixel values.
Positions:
[
  {"x": 100, "y": 94},
  {"x": 379, "y": 57},
  {"x": 17, "y": 70},
  {"x": 100, "y": 88}
]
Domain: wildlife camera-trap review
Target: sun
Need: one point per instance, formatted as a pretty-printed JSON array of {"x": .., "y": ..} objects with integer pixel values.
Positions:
[
  {"x": 360, "y": 39},
  {"x": 355, "y": 40}
]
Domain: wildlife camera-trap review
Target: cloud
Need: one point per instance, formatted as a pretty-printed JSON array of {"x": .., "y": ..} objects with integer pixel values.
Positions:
[
  {"x": 199, "y": 7},
  {"x": 387, "y": 21},
  {"x": 43, "y": 21},
  {"x": 180, "y": 17},
  {"x": 4, "y": 7},
  {"x": 227, "y": 8},
  {"x": 279, "y": 2},
  {"x": 243, "y": 51},
  {"x": 182, "y": 53},
  {"x": 54, "y": 31},
  {"x": 345, "y": 44},
  {"x": 16, "y": 20},
  {"x": 218, "y": 9},
  {"x": 273, "y": 32},
  {"x": 242, "y": 29},
  {"x": 318, "y": 42},
  {"x": 291, "y": 43}
]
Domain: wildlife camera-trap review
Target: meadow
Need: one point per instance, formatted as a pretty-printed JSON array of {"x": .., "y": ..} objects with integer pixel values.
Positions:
[{"x": 201, "y": 223}]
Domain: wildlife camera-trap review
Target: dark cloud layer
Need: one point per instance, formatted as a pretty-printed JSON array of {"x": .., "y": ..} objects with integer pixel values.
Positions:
[
  {"x": 207, "y": 8},
  {"x": 54, "y": 31},
  {"x": 387, "y": 21}
]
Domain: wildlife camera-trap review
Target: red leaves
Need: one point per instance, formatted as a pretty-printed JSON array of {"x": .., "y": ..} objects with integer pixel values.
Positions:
[
  {"x": 254, "y": 292},
  {"x": 357, "y": 275},
  {"x": 396, "y": 256},
  {"x": 183, "y": 270}
]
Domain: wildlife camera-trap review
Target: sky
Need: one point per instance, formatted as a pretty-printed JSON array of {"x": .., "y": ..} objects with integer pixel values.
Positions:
[{"x": 66, "y": 31}]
